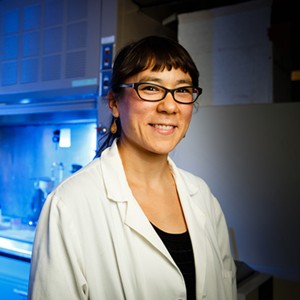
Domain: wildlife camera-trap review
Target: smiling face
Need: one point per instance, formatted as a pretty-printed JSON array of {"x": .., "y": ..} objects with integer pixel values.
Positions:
[{"x": 153, "y": 127}]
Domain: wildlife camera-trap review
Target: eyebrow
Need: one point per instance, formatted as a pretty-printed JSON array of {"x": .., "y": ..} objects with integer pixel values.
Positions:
[{"x": 158, "y": 80}]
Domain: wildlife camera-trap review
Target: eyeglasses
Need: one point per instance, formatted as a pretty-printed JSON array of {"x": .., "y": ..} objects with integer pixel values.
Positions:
[{"x": 154, "y": 92}]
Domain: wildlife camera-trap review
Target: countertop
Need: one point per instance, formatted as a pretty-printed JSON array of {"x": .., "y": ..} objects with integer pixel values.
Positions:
[{"x": 16, "y": 239}]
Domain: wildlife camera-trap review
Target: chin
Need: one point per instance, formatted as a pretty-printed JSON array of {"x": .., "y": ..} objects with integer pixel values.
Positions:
[{"x": 163, "y": 150}]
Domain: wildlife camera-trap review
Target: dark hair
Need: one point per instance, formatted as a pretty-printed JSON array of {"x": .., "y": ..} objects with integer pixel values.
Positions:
[{"x": 152, "y": 52}]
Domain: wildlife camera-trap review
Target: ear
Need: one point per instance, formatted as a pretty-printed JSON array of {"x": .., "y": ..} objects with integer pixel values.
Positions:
[{"x": 113, "y": 104}]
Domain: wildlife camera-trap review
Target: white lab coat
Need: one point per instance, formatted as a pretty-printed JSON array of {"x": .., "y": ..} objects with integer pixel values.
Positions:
[{"x": 94, "y": 242}]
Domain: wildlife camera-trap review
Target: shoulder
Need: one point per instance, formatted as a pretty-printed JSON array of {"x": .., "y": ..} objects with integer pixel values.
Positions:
[
  {"x": 92, "y": 174},
  {"x": 191, "y": 178},
  {"x": 83, "y": 184},
  {"x": 193, "y": 182},
  {"x": 200, "y": 193},
  {"x": 89, "y": 174},
  {"x": 90, "y": 182}
]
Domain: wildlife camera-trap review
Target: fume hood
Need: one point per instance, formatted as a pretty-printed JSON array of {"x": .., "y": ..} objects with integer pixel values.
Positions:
[{"x": 50, "y": 58}]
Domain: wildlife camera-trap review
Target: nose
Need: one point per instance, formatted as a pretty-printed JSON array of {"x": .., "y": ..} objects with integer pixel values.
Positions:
[{"x": 168, "y": 104}]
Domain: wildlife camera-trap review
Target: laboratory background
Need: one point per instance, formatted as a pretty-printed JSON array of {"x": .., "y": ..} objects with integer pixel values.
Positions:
[{"x": 56, "y": 59}]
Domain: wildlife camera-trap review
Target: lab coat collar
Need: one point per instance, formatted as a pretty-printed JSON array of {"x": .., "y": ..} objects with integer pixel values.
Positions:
[
  {"x": 114, "y": 175},
  {"x": 115, "y": 178}
]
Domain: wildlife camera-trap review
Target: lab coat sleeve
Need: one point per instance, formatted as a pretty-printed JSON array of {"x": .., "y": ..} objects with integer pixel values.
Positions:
[
  {"x": 221, "y": 230},
  {"x": 56, "y": 268}
]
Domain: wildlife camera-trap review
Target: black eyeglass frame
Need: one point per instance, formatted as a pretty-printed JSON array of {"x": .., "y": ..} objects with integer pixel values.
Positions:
[{"x": 135, "y": 86}]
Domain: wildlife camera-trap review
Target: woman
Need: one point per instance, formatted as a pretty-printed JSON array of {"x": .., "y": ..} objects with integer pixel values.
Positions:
[{"x": 131, "y": 225}]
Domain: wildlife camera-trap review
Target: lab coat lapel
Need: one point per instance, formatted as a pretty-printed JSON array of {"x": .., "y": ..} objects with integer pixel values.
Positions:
[
  {"x": 195, "y": 219},
  {"x": 136, "y": 220}
]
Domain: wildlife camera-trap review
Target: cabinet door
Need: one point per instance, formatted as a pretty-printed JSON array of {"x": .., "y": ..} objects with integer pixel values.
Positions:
[
  {"x": 12, "y": 289},
  {"x": 14, "y": 278}
]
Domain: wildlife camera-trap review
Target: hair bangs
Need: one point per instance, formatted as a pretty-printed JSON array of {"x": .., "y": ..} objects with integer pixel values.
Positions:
[{"x": 158, "y": 61}]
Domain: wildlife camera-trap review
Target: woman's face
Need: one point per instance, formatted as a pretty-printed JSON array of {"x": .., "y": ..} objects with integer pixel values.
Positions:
[{"x": 154, "y": 127}]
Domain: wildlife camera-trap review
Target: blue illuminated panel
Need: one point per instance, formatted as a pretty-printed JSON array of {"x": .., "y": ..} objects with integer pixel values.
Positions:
[{"x": 45, "y": 46}]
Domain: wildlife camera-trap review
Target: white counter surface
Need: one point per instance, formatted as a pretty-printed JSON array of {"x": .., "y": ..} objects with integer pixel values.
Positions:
[{"x": 17, "y": 241}]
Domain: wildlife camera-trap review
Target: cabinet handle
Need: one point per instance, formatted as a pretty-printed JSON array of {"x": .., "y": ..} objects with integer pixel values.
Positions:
[{"x": 20, "y": 292}]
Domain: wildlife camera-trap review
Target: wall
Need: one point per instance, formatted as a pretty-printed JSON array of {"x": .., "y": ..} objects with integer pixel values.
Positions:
[
  {"x": 133, "y": 24},
  {"x": 231, "y": 48}
]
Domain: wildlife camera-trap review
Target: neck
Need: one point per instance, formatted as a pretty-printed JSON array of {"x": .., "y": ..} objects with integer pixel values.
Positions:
[{"x": 143, "y": 167}]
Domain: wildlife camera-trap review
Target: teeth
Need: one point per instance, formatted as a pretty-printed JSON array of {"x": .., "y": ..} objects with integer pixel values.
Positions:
[{"x": 163, "y": 127}]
